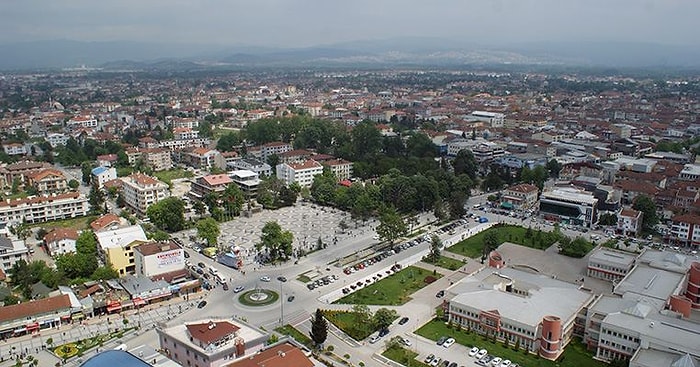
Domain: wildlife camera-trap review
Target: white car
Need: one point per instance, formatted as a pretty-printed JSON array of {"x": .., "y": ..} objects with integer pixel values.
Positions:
[
  {"x": 448, "y": 343},
  {"x": 473, "y": 351},
  {"x": 406, "y": 342},
  {"x": 374, "y": 339},
  {"x": 435, "y": 361},
  {"x": 482, "y": 353},
  {"x": 505, "y": 363},
  {"x": 265, "y": 279},
  {"x": 496, "y": 361}
]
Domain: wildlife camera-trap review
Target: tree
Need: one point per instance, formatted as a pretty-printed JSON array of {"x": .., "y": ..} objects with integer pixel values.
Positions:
[
  {"x": 578, "y": 248},
  {"x": 159, "y": 235},
  {"x": 273, "y": 160},
  {"x": 21, "y": 230},
  {"x": 40, "y": 233},
  {"x": 228, "y": 141},
  {"x": 607, "y": 219},
  {"x": 73, "y": 184},
  {"x": 465, "y": 163},
  {"x": 76, "y": 265},
  {"x": 319, "y": 328},
  {"x": 391, "y": 225},
  {"x": 363, "y": 316},
  {"x": 86, "y": 169},
  {"x": 86, "y": 244},
  {"x": 648, "y": 208},
  {"x": 208, "y": 229},
  {"x": 435, "y": 246},
  {"x": 199, "y": 207},
  {"x": 96, "y": 200},
  {"x": 168, "y": 214},
  {"x": 105, "y": 272},
  {"x": 490, "y": 243},
  {"x": 276, "y": 242},
  {"x": 553, "y": 167},
  {"x": 383, "y": 317}
]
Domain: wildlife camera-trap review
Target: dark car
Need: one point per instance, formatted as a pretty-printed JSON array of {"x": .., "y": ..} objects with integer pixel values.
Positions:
[
  {"x": 440, "y": 294},
  {"x": 383, "y": 332},
  {"x": 201, "y": 265},
  {"x": 445, "y": 363},
  {"x": 282, "y": 279},
  {"x": 187, "y": 255},
  {"x": 225, "y": 286},
  {"x": 403, "y": 320},
  {"x": 442, "y": 340},
  {"x": 290, "y": 298},
  {"x": 201, "y": 304},
  {"x": 453, "y": 364}
]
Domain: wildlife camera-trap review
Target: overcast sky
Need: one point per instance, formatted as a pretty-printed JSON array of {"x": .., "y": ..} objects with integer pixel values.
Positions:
[{"x": 298, "y": 23}]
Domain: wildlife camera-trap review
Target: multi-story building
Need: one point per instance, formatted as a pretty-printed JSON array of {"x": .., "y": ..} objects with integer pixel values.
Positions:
[
  {"x": 690, "y": 172},
  {"x": 14, "y": 149},
  {"x": 204, "y": 158},
  {"x": 609, "y": 264},
  {"x": 106, "y": 222},
  {"x": 275, "y": 147},
  {"x": 29, "y": 317},
  {"x": 520, "y": 197},
  {"x": 12, "y": 250},
  {"x": 212, "y": 342},
  {"x": 569, "y": 205},
  {"x": 493, "y": 119},
  {"x": 182, "y": 133},
  {"x": 685, "y": 230},
  {"x": 535, "y": 311},
  {"x": 487, "y": 151},
  {"x": 210, "y": 184},
  {"x": 301, "y": 173},
  {"x": 158, "y": 159},
  {"x": 284, "y": 353},
  {"x": 141, "y": 191},
  {"x": 341, "y": 168},
  {"x": 60, "y": 241},
  {"x": 156, "y": 258},
  {"x": 84, "y": 122},
  {"x": 251, "y": 164},
  {"x": 21, "y": 170},
  {"x": 56, "y": 139},
  {"x": 629, "y": 222},
  {"x": 40, "y": 209},
  {"x": 100, "y": 175},
  {"x": 247, "y": 181},
  {"x": 48, "y": 181},
  {"x": 117, "y": 247}
]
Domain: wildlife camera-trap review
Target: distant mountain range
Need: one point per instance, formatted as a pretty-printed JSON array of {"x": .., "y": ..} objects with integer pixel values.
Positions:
[{"x": 125, "y": 55}]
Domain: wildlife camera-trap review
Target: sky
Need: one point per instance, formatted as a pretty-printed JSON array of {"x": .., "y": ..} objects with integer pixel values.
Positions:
[{"x": 303, "y": 23}]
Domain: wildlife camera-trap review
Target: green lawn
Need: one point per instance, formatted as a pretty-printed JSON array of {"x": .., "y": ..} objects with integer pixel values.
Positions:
[
  {"x": 404, "y": 356},
  {"x": 447, "y": 263},
  {"x": 169, "y": 175},
  {"x": 294, "y": 333},
  {"x": 345, "y": 321},
  {"x": 472, "y": 246},
  {"x": 78, "y": 223},
  {"x": 391, "y": 290},
  {"x": 574, "y": 355}
]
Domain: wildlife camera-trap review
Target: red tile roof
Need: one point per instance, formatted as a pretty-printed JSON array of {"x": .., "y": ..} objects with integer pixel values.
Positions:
[
  {"x": 305, "y": 165},
  {"x": 211, "y": 331},
  {"x": 45, "y": 173},
  {"x": 61, "y": 234},
  {"x": 630, "y": 213},
  {"x": 687, "y": 218},
  {"x": 28, "y": 309},
  {"x": 283, "y": 355},
  {"x": 152, "y": 248},
  {"x": 39, "y": 199},
  {"x": 216, "y": 180},
  {"x": 104, "y": 221},
  {"x": 524, "y": 188}
]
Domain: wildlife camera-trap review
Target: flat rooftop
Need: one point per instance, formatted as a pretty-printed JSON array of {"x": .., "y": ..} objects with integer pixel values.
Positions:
[
  {"x": 609, "y": 256},
  {"x": 648, "y": 281},
  {"x": 571, "y": 195}
]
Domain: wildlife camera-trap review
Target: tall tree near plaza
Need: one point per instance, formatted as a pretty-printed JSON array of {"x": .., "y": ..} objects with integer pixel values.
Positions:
[
  {"x": 168, "y": 214},
  {"x": 383, "y": 318},
  {"x": 363, "y": 316},
  {"x": 208, "y": 230},
  {"x": 86, "y": 243},
  {"x": 435, "y": 246},
  {"x": 96, "y": 198},
  {"x": 490, "y": 243},
  {"x": 391, "y": 225},
  {"x": 277, "y": 242},
  {"x": 647, "y": 206},
  {"x": 465, "y": 163},
  {"x": 366, "y": 140},
  {"x": 319, "y": 328}
]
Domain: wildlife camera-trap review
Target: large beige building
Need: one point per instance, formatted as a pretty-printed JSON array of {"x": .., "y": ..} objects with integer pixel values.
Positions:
[
  {"x": 155, "y": 258},
  {"x": 40, "y": 209},
  {"x": 118, "y": 246},
  {"x": 141, "y": 191},
  {"x": 301, "y": 173}
]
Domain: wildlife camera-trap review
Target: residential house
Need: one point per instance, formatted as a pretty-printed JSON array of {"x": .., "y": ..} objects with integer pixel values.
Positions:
[
  {"x": 629, "y": 222},
  {"x": 284, "y": 353},
  {"x": 341, "y": 168},
  {"x": 106, "y": 222},
  {"x": 57, "y": 139},
  {"x": 141, "y": 191},
  {"x": 48, "y": 181},
  {"x": 210, "y": 184},
  {"x": 12, "y": 250},
  {"x": 520, "y": 197},
  {"x": 21, "y": 170},
  {"x": 107, "y": 160},
  {"x": 60, "y": 241},
  {"x": 14, "y": 149}
]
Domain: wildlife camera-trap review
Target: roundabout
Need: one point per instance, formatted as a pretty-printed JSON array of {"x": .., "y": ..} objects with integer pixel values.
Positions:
[{"x": 258, "y": 297}]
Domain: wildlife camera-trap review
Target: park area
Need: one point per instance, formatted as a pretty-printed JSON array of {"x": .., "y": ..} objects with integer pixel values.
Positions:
[
  {"x": 446, "y": 263},
  {"x": 574, "y": 355},
  {"x": 404, "y": 356},
  {"x": 473, "y": 246},
  {"x": 392, "y": 290}
]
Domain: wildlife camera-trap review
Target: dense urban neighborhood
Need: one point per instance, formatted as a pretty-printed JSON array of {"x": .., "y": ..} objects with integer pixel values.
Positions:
[{"x": 325, "y": 217}]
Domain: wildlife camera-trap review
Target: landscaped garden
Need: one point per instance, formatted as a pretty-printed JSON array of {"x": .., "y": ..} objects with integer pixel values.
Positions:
[
  {"x": 294, "y": 333},
  {"x": 392, "y": 290},
  {"x": 360, "y": 322},
  {"x": 574, "y": 355},
  {"x": 172, "y": 174},
  {"x": 79, "y": 347},
  {"x": 404, "y": 356},
  {"x": 473, "y": 246},
  {"x": 446, "y": 263}
]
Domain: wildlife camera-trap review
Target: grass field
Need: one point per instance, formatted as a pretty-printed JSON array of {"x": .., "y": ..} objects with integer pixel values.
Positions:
[
  {"x": 169, "y": 175},
  {"x": 391, "y": 290},
  {"x": 345, "y": 321},
  {"x": 404, "y": 356},
  {"x": 296, "y": 334},
  {"x": 472, "y": 246},
  {"x": 78, "y": 224},
  {"x": 447, "y": 263},
  {"x": 574, "y": 355}
]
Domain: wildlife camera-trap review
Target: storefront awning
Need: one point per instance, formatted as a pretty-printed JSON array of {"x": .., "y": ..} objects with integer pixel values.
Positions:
[
  {"x": 20, "y": 330},
  {"x": 506, "y": 205},
  {"x": 114, "y": 307},
  {"x": 32, "y": 327},
  {"x": 78, "y": 316},
  {"x": 139, "y": 302}
]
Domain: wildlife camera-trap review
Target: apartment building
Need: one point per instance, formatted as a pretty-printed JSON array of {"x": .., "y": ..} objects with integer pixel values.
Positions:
[
  {"x": 117, "y": 247},
  {"x": 210, "y": 184},
  {"x": 341, "y": 168},
  {"x": 14, "y": 149},
  {"x": 182, "y": 133},
  {"x": 39, "y": 209},
  {"x": 629, "y": 222},
  {"x": 211, "y": 342},
  {"x": 100, "y": 175},
  {"x": 302, "y": 173},
  {"x": 158, "y": 159},
  {"x": 275, "y": 147},
  {"x": 203, "y": 158},
  {"x": 520, "y": 197},
  {"x": 141, "y": 191},
  {"x": 21, "y": 170},
  {"x": 247, "y": 181},
  {"x": 251, "y": 164},
  {"x": 685, "y": 230},
  {"x": 12, "y": 250},
  {"x": 156, "y": 258},
  {"x": 56, "y": 139},
  {"x": 48, "y": 181}
]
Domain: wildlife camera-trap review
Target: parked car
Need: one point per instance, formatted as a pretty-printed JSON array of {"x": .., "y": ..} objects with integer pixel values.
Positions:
[
  {"x": 496, "y": 361},
  {"x": 429, "y": 358},
  {"x": 281, "y": 279},
  {"x": 442, "y": 340},
  {"x": 505, "y": 363},
  {"x": 448, "y": 343},
  {"x": 383, "y": 332},
  {"x": 403, "y": 320},
  {"x": 406, "y": 342},
  {"x": 225, "y": 286},
  {"x": 440, "y": 294},
  {"x": 435, "y": 361},
  {"x": 238, "y": 289},
  {"x": 265, "y": 279},
  {"x": 374, "y": 339},
  {"x": 201, "y": 265},
  {"x": 201, "y": 304},
  {"x": 481, "y": 354},
  {"x": 290, "y": 298},
  {"x": 473, "y": 351}
]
